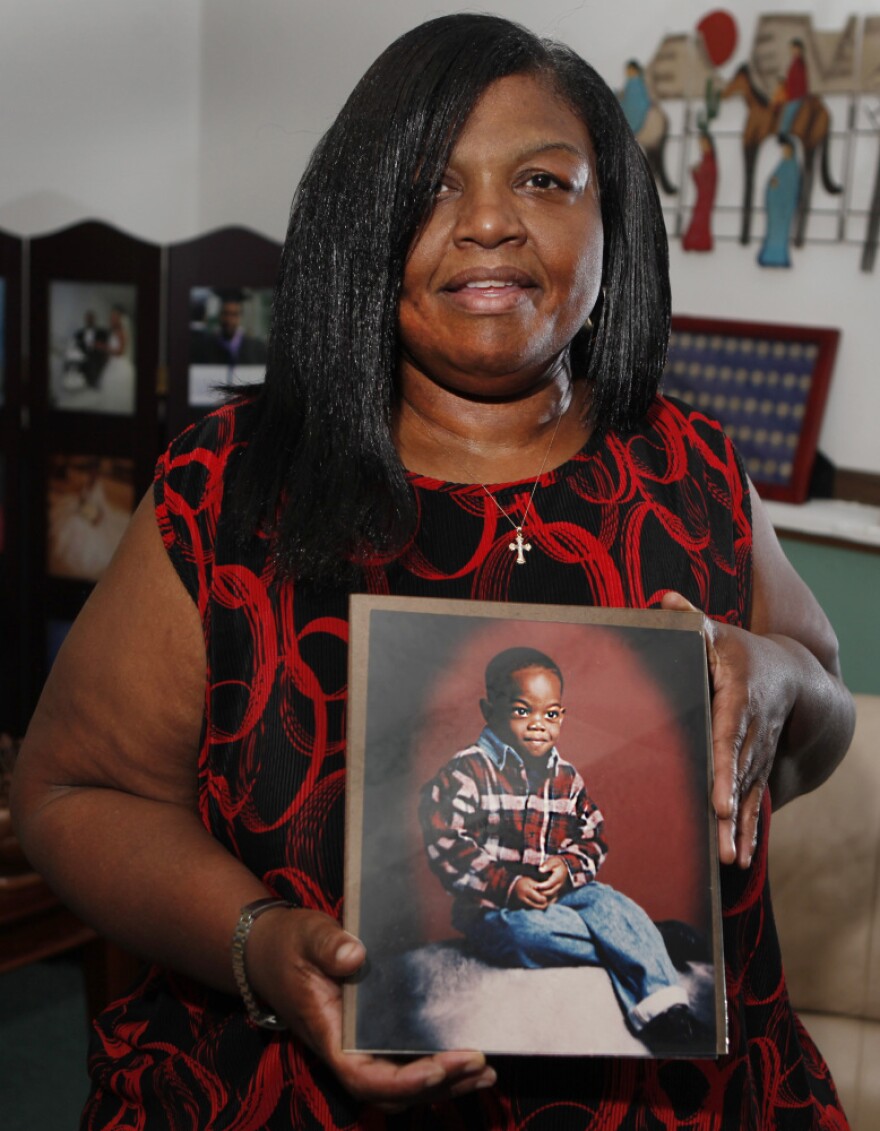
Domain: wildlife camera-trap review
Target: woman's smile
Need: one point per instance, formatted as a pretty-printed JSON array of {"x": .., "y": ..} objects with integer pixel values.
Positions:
[{"x": 490, "y": 290}]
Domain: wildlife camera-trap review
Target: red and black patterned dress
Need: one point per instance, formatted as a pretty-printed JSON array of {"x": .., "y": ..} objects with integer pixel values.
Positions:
[{"x": 619, "y": 524}]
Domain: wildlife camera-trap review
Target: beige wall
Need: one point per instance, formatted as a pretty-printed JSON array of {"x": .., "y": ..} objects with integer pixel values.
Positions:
[{"x": 172, "y": 117}]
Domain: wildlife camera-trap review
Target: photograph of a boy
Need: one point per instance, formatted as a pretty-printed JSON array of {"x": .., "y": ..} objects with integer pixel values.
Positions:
[{"x": 513, "y": 835}]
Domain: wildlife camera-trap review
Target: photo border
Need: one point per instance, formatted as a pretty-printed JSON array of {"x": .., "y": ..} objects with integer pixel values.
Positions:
[{"x": 361, "y": 610}]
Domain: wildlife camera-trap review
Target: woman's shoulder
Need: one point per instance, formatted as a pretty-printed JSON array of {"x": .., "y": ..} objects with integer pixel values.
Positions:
[
  {"x": 676, "y": 422},
  {"x": 680, "y": 443},
  {"x": 190, "y": 485},
  {"x": 672, "y": 412},
  {"x": 218, "y": 432},
  {"x": 197, "y": 461}
]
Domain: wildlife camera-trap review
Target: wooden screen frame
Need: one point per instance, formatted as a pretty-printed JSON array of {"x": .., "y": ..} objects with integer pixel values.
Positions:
[{"x": 225, "y": 258}]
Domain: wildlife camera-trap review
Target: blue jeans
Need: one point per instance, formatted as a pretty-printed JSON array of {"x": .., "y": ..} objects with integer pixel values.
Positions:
[{"x": 593, "y": 925}]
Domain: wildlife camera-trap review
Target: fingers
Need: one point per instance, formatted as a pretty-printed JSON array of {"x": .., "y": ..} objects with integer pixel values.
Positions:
[
  {"x": 741, "y": 757},
  {"x": 474, "y": 1082},
  {"x": 747, "y": 716},
  {"x": 728, "y": 741},
  {"x": 739, "y": 790},
  {"x": 676, "y": 603},
  {"x": 551, "y": 887},
  {"x": 747, "y": 830},
  {"x": 394, "y": 1086},
  {"x": 303, "y": 956},
  {"x": 557, "y": 875},
  {"x": 529, "y": 894},
  {"x": 534, "y": 901},
  {"x": 330, "y": 948}
]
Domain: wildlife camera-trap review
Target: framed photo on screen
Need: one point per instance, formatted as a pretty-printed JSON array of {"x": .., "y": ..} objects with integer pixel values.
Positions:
[
  {"x": 227, "y": 344},
  {"x": 92, "y": 346},
  {"x": 94, "y": 336},
  {"x": 219, "y": 308},
  {"x": 90, "y": 500}
]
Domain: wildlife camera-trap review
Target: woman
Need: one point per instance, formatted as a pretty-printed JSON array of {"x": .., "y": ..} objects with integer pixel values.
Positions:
[{"x": 470, "y": 324}]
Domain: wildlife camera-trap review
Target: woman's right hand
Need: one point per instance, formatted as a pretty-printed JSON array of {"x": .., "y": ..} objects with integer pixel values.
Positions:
[{"x": 297, "y": 960}]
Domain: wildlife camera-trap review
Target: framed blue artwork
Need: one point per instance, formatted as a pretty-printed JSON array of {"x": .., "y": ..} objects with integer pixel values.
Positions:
[{"x": 766, "y": 383}]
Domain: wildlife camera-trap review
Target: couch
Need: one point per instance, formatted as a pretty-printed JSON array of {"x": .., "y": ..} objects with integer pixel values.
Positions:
[{"x": 825, "y": 877}]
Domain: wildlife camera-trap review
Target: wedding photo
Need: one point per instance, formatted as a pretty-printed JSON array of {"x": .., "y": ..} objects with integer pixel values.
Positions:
[
  {"x": 89, "y": 502},
  {"x": 92, "y": 347}
]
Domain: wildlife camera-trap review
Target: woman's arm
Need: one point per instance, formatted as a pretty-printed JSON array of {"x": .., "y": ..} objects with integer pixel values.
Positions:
[
  {"x": 780, "y": 711},
  {"x": 105, "y": 803},
  {"x": 105, "y": 787},
  {"x": 819, "y": 727}
]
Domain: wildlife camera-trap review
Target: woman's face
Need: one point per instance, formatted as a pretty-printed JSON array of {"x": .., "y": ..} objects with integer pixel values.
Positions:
[{"x": 509, "y": 264}]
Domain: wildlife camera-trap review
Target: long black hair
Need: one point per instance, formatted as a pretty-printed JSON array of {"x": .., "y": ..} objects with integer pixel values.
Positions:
[{"x": 320, "y": 469}]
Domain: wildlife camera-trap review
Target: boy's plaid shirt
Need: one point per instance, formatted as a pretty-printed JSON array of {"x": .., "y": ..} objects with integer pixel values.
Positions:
[{"x": 484, "y": 827}]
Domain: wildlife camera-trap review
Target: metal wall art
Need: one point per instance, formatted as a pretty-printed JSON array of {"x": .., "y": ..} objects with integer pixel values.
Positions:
[{"x": 791, "y": 131}]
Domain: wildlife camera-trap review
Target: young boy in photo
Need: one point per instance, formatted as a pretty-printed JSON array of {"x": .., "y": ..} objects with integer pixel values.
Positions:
[{"x": 513, "y": 835}]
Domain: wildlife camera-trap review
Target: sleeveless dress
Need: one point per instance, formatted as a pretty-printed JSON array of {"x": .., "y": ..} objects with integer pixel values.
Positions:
[{"x": 619, "y": 524}]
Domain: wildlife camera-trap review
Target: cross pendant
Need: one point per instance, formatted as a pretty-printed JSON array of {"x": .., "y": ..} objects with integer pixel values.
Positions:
[{"x": 518, "y": 545}]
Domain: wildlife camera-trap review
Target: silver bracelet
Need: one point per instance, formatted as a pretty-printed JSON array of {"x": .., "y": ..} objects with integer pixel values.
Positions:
[{"x": 249, "y": 915}]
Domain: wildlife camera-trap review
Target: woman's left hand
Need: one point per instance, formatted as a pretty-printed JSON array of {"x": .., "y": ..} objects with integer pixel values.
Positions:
[
  {"x": 780, "y": 710},
  {"x": 753, "y": 694}
]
